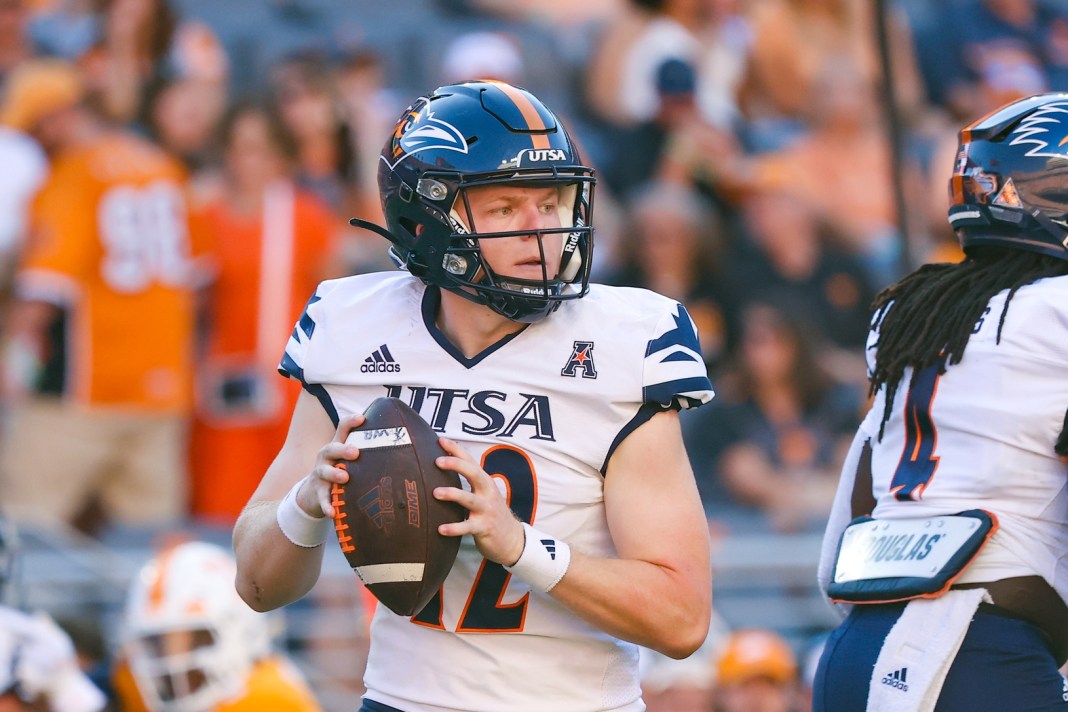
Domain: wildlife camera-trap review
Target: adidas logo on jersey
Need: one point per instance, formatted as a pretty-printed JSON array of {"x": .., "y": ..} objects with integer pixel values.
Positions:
[
  {"x": 897, "y": 679},
  {"x": 380, "y": 361}
]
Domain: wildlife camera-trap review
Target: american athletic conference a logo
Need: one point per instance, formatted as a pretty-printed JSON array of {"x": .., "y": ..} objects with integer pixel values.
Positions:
[{"x": 581, "y": 358}]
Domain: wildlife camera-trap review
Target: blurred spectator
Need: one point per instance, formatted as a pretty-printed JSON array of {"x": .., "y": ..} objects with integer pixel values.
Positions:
[
  {"x": 188, "y": 642},
  {"x": 183, "y": 116},
  {"x": 308, "y": 101},
  {"x": 181, "y": 107},
  {"x": 371, "y": 110},
  {"x": 990, "y": 52},
  {"x": 273, "y": 243},
  {"x": 65, "y": 28},
  {"x": 792, "y": 41},
  {"x": 100, "y": 334},
  {"x": 757, "y": 672},
  {"x": 674, "y": 250},
  {"x": 647, "y": 141},
  {"x": 775, "y": 440},
  {"x": 841, "y": 168},
  {"x": 14, "y": 40},
  {"x": 130, "y": 52},
  {"x": 726, "y": 38},
  {"x": 559, "y": 13},
  {"x": 621, "y": 77},
  {"x": 482, "y": 55},
  {"x": 789, "y": 258}
]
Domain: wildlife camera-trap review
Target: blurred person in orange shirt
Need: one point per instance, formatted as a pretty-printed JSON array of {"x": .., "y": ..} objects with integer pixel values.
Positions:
[
  {"x": 99, "y": 341},
  {"x": 273, "y": 241}
]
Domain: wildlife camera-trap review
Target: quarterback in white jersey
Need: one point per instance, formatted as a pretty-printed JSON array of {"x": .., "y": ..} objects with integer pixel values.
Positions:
[
  {"x": 558, "y": 405},
  {"x": 949, "y": 531}
]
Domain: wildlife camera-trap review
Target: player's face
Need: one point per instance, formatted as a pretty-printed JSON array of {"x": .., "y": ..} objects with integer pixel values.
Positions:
[{"x": 509, "y": 208}]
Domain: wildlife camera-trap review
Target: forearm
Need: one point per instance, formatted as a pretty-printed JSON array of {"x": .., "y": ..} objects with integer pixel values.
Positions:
[
  {"x": 272, "y": 571},
  {"x": 655, "y": 606}
]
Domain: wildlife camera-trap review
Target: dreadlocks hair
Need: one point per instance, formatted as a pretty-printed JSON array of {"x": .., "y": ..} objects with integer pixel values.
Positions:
[{"x": 927, "y": 318}]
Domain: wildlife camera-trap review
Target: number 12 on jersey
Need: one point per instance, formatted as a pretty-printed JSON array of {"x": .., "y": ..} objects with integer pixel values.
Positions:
[{"x": 484, "y": 612}]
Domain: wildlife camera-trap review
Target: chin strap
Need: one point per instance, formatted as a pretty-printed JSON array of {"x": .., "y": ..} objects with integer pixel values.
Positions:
[{"x": 377, "y": 229}]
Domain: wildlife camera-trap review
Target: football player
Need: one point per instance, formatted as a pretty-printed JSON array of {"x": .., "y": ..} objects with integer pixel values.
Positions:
[
  {"x": 190, "y": 644},
  {"x": 558, "y": 401},
  {"x": 39, "y": 668},
  {"x": 955, "y": 558}
]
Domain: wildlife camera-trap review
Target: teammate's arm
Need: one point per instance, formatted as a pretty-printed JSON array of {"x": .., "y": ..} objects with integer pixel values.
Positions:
[
  {"x": 271, "y": 570},
  {"x": 658, "y": 592}
]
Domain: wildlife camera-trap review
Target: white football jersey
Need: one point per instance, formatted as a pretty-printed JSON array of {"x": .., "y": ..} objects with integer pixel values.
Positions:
[
  {"x": 544, "y": 410},
  {"x": 981, "y": 436}
]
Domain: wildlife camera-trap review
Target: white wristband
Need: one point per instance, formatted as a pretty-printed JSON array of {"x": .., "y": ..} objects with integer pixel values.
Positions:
[
  {"x": 299, "y": 527},
  {"x": 544, "y": 560}
]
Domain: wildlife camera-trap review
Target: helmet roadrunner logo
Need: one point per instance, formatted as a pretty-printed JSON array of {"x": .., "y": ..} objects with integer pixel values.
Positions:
[
  {"x": 1046, "y": 131},
  {"x": 420, "y": 131}
]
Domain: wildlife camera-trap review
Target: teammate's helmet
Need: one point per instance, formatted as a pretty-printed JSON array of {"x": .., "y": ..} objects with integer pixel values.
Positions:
[
  {"x": 190, "y": 640},
  {"x": 1010, "y": 179},
  {"x": 478, "y": 134}
]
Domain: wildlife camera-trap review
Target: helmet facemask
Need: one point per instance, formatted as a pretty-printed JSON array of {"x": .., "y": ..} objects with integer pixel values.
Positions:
[{"x": 561, "y": 248}]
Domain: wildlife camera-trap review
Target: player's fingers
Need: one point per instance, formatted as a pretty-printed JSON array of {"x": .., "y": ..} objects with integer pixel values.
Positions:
[
  {"x": 455, "y": 494},
  {"x": 346, "y": 425},
  {"x": 456, "y": 449},
  {"x": 463, "y": 528},
  {"x": 331, "y": 473},
  {"x": 334, "y": 451},
  {"x": 475, "y": 475},
  {"x": 326, "y": 503}
]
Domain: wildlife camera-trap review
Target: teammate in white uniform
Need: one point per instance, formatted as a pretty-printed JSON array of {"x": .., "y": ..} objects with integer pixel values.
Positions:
[
  {"x": 559, "y": 403},
  {"x": 968, "y": 366}
]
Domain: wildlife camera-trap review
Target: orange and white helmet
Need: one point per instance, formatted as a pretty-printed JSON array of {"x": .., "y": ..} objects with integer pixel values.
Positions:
[{"x": 189, "y": 639}]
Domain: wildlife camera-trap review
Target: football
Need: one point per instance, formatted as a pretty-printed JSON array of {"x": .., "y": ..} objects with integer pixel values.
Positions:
[{"x": 386, "y": 517}]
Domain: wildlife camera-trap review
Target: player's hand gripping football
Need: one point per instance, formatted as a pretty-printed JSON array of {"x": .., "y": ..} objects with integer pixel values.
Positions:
[
  {"x": 498, "y": 534},
  {"x": 314, "y": 494}
]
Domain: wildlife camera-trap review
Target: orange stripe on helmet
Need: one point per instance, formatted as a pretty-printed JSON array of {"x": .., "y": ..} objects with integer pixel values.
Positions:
[
  {"x": 529, "y": 113},
  {"x": 158, "y": 589}
]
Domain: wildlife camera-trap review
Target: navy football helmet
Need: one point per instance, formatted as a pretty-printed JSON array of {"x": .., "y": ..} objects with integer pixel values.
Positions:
[
  {"x": 1010, "y": 179},
  {"x": 476, "y": 134}
]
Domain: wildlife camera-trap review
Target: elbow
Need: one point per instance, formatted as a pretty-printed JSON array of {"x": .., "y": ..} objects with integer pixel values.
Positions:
[
  {"x": 684, "y": 640},
  {"x": 252, "y": 594},
  {"x": 685, "y": 645}
]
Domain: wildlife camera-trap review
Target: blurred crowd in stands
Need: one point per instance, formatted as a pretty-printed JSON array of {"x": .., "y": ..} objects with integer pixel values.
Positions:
[{"x": 176, "y": 176}]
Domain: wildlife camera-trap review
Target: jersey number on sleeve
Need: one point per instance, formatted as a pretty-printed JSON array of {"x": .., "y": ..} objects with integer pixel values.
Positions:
[
  {"x": 918, "y": 461},
  {"x": 484, "y": 612}
]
